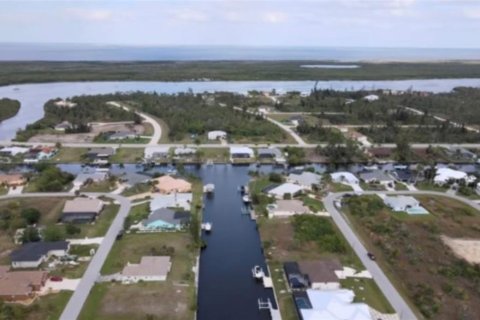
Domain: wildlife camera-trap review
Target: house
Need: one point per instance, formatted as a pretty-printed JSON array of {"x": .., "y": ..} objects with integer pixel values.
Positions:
[
  {"x": 305, "y": 179},
  {"x": 460, "y": 153},
  {"x": 217, "y": 135},
  {"x": 150, "y": 268},
  {"x": 296, "y": 279},
  {"x": 153, "y": 153},
  {"x": 44, "y": 153},
  {"x": 377, "y": 176},
  {"x": 122, "y": 135},
  {"x": 63, "y": 126},
  {"x": 173, "y": 200},
  {"x": 381, "y": 152},
  {"x": 83, "y": 178},
  {"x": 241, "y": 152},
  {"x": 166, "y": 219},
  {"x": 406, "y": 204},
  {"x": 403, "y": 175},
  {"x": 271, "y": 154},
  {"x": 344, "y": 177},
  {"x": 100, "y": 153},
  {"x": 20, "y": 285},
  {"x": 32, "y": 254},
  {"x": 64, "y": 104},
  {"x": 321, "y": 273},
  {"x": 371, "y": 97},
  {"x": 444, "y": 175},
  {"x": 285, "y": 189},
  {"x": 81, "y": 210},
  {"x": 12, "y": 180},
  {"x": 13, "y": 151},
  {"x": 286, "y": 208},
  {"x": 295, "y": 120},
  {"x": 330, "y": 304},
  {"x": 167, "y": 184},
  {"x": 184, "y": 152}
]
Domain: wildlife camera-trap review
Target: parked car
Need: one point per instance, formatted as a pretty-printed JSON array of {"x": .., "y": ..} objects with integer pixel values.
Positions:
[
  {"x": 371, "y": 256},
  {"x": 56, "y": 279}
]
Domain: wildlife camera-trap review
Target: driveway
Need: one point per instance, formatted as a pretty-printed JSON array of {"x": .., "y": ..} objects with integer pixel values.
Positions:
[{"x": 65, "y": 284}]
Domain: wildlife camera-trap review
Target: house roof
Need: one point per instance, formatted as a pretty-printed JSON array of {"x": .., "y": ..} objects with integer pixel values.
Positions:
[
  {"x": 377, "y": 175},
  {"x": 149, "y": 266},
  {"x": 241, "y": 150},
  {"x": 305, "y": 178},
  {"x": 344, "y": 176},
  {"x": 400, "y": 201},
  {"x": 83, "y": 205},
  {"x": 334, "y": 305},
  {"x": 109, "y": 151},
  {"x": 152, "y": 151},
  {"x": 33, "y": 251},
  {"x": 270, "y": 152},
  {"x": 445, "y": 174},
  {"x": 19, "y": 283},
  {"x": 13, "y": 177},
  {"x": 168, "y": 184},
  {"x": 182, "y": 151},
  {"x": 122, "y": 135},
  {"x": 94, "y": 176},
  {"x": 173, "y": 200},
  {"x": 321, "y": 270},
  {"x": 285, "y": 188},
  {"x": 169, "y": 216}
]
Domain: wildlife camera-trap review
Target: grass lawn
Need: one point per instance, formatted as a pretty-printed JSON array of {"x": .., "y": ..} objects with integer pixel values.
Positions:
[
  {"x": 172, "y": 299},
  {"x": 127, "y": 155},
  {"x": 372, "y": 186},
  {"x": 430, "y": 187},
  {"x": 284, "y": 296},
  {"x": 366, "y": 290},
  {"x": 101, "y": 186},
  {"x": 148, "y": 129},
  {"x": 139, "y": 212},
  {"x": 339, "y": 187},
  {"x": 48, "y": 307},
  {"x": 219, "y": 155},
  {"x": 69, "y": 155},
  {"x": 165, "y": 130},
  {"x": 100, "y": 227},
  {"x": 399, "y": 186},
  {"x": 139, "y": 188},
  {"x": 70, "y": 271},
  {"x": 82, "y": 250},
  {"x": 314, "y": 204},
  {"x": 3, "y": 190}
]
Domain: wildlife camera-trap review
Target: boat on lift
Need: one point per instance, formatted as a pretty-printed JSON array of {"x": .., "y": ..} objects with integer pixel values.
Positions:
[
  {"x": 209, "y": 188},
  {"x": 246, "y": 198},
  {"x": 207, "y": 226},
  {"x": 257, "y": 272}
]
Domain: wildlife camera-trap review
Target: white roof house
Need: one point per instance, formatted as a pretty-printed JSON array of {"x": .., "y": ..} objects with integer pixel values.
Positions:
[
  {"x": 286, "y": 188},
  {"x": 334, "y": 305},
  {"x": 14, "y": 150},
  {"x": 156, "y": 152},
  {"x": 371, "y": 97},
  {"x": 344, "y": 177},
  {"x": 286, "y": 208},
  {"x": 443, "y": 175},
  {"x": 241, "y": 152},
  {"x": 150, "y": 268},
  {"x": 401, "y": 203},
  {"x": 82, "y": 178},
  {"x": 216, "y": 135},
  {"x": 305, "y": 179},
  {"x": 184, "y": 151},
  {"x": 172, "y": 200}
]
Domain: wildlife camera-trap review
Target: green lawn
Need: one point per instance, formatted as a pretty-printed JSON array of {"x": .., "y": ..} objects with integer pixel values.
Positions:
[
  {"x": 372, "y": 186},
  {"x": 430, "y": 187},
  {"x": 70, "y": 155},
  {"x": 399, "y": 186},
  {"x": 139, "y": 212},
  {"x": 47, "y": 307},
  {"x": 127, "y": 155},
  {"x": 3, "y": 190},
  {"x": 101, "y": 186},
  {"x": 218, "y": 155},
  {"x": 339, "y": 187},
  {"x": 367, "y": 291},
  {"x": 100, "y": 227},
  {"x": 139, "y": 188},
  {"x": 314, "y": 204}
]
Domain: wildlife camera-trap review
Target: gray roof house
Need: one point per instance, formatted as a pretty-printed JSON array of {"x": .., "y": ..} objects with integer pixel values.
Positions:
[
  {"x": 32, "y": 254},
  {"x": 271, "y": 153},
  {"x": 102, "y": 152},
  {"x": 121, "y": 135},
  {"x": 81, "y": 210},
  {"x": 378, "y": 176},
  {"x": 305, "y": 179},
  {"x": 166, "y": 219},
  {"x": 82, "y": 178}
]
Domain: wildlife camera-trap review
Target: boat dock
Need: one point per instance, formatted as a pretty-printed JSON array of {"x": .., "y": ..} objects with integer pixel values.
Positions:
[
  {"x": 249, "y": 211},
  {"x": 267, "y": 305}
]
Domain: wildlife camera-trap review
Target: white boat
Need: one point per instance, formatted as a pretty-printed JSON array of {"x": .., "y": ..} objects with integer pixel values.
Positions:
[
  {"x": 257, "y": 272},
  {"x": 209, "y": 188},
  {"x": 246, "y": 198},
  {"x": 207, "y": 226}
]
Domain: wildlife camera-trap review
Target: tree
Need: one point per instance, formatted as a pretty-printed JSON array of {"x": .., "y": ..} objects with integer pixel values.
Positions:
[
  {"x": 403, "y": 152},
  {"x": 30, "y": 234},
  {"x": 31, "y": 215},
  {"x": 53, "y": 233}
]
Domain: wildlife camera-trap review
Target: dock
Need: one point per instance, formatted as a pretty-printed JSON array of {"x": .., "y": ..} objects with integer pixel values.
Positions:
[
  {"x": 250, "y": 212},
  {"x": 267, "y": 305}
]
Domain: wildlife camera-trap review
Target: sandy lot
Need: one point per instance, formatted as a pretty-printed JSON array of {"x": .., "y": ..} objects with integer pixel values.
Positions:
[
  {"x": 467, "y": 249},
  {"x": 88, "y": 137}
]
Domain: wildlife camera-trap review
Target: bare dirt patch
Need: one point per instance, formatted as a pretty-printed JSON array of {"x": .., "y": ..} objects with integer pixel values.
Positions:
[{"x": 467, "y": 249}]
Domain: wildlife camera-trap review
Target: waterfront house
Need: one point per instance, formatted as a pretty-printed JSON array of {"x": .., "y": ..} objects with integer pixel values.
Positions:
[
  {"x": 296, "y": 279},
  {"x": 18, "y": 286},
  {"x": 377, "y": 176},
  {"x": 184, "y": 152},
  {"x": 122, "y": 135},
  {"x": 445, "y": 175},
  {"x": 271, "y": 154},
  {"x": 81, "y": 210},
  {"x": 306, "y": 179},
  {"x": 167, "y": 184},
  {"x": 166, "y": 219},
  {"x": 217, "y": 135},
  {"x": 153, "y": 153},
  {"x": 83, "y": 178},
  {"x": 100, "y": 153},
  {"x": 241, "y": 152},
  {"x": 12, "y": 180},
  {"x": 321, "y": 274},
  {"x": 13, "y": 151},
  {"x": 344, "y": 177},
  {"x": 33, "y": 254},
  {"x": 172, "y": 200},
  {"x": 286, "y": 208},
  {"x": 150, "y": 268},
  {"x": 285, "y": 189}
]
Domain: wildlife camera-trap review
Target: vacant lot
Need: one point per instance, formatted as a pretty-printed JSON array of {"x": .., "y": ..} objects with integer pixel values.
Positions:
[
  {"x": 412, "y": 253},
  {"x": 172, "y": 299}
]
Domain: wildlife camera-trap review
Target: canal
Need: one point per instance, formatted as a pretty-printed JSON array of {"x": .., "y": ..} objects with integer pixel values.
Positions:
[{"x": 227, "y": 289}]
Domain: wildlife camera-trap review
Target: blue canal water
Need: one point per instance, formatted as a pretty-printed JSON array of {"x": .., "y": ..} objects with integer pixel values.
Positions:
[{"x": 227, "y": 289}]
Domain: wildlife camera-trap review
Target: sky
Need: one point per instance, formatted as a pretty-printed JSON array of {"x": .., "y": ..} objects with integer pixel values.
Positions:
[{"x": 316, "y": 23}]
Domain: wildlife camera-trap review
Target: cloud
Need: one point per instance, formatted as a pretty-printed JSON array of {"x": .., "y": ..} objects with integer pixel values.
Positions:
[
  {"x": 472, "y": 13},
  {"x": 98, "y": 15},
  {"x": 187, "y": 15},
  {"x": 274, "y": 17}
]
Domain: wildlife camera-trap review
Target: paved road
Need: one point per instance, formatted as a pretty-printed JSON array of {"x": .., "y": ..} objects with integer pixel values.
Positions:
[
  {"x": 288, "y": 130},
  {"x": 395, "y": 299},
  {"x": 75, "y": 304}
]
